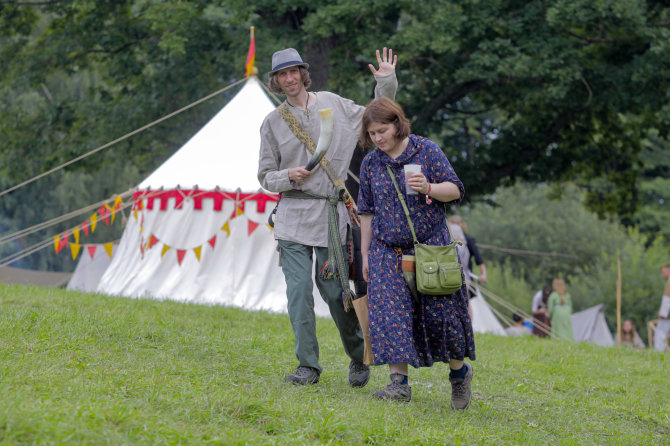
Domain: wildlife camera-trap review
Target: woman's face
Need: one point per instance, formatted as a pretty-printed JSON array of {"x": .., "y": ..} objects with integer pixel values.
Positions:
[
  {"x": 627, "y": 326},
  {"x": 383, "y": 135}
]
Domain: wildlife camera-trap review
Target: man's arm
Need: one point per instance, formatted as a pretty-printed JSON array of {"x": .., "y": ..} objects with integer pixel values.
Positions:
[
  {"x": 387, "y": 83},
  {"x": 479, "y": 260},
  {"x": 269, "y": 174}
]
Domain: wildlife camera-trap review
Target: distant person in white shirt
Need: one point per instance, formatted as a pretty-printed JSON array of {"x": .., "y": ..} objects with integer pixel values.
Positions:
[
  {"x": 663, "y": 327},
  {"x": 518, "y": 329}
]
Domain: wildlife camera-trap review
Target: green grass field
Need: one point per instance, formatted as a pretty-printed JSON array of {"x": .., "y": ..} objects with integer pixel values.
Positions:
[{"x": 88, "y": 369}]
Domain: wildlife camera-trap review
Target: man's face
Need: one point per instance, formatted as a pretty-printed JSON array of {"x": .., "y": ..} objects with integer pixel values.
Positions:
[
  {"x": 290, "y": 81},
  {"x": 666, "y": 272}
]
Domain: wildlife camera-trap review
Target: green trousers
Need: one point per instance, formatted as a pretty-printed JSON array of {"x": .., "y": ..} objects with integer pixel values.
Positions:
[{"x": 296, "y": 260}]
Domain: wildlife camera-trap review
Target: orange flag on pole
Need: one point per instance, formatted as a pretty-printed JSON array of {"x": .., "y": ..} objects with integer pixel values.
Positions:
[{"x": 251, "y": 56}]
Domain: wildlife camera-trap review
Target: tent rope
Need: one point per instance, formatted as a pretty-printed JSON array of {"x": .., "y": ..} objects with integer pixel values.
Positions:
[
  {"x": 526, "y": 253},
  {"x": 46, "y": 242},
  {"x": 507, "y": 305},
  {"x": 54, "y": 221},
  {"x": 124, "y": 137},
  {"x": 49, "y": 241},
  {"x": 271, "y": 93}
]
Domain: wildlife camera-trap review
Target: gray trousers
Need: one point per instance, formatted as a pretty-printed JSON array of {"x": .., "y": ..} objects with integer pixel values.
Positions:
[
  {"x": 661, "y": 333},
  {"x": 296, "y": 260}
]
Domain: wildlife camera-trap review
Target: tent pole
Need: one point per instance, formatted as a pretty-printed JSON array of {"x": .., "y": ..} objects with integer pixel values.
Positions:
[{"x": 618, "y": 302}]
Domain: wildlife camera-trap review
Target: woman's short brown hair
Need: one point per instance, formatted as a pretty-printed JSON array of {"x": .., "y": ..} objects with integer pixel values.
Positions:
[
  {"x": 274, "y": 87},
  {"x": 385, "y": 111}
]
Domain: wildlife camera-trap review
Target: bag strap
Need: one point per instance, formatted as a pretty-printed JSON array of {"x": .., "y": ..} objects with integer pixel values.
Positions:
[
  {"x": 297, "y": 129},
  {"x": 402, "y": 201},
  {"x": 335, "y": 267},
  {"x": 404, "y": 208}
]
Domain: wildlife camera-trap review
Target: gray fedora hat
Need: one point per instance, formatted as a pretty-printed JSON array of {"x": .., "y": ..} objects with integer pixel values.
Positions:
[{"x": 286, "y": 58}]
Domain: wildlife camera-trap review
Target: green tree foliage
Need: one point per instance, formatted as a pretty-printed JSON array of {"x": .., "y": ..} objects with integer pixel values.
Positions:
[
  {"x": 575, "y": 84},
  {"x": 653, "y": 218},
  {"x": 524, "y": 217},
  {"x": 641, "y": 281},
  {"x": 513, "y": 90}
]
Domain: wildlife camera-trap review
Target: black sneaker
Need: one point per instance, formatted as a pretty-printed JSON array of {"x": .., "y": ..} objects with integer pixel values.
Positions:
[
  {"x": 303, "y": 375},
  {"x": 461, "y": 394},
  {"x": 395, "y": 391},
  {"x": 359, "y": 374}
]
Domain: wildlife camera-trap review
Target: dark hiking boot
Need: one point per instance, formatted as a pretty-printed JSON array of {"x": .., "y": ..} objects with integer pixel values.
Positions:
[
  {"x": 359, "y": 374},
  {"x": 303, "y": 375},
  {"x": 395, "y": 391},
  {"x": 461, "y": 394}
]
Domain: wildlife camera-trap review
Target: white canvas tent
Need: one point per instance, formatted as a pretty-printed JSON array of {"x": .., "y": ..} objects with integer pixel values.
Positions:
[
  {"x": 590, "y": 326},
  {"x": 198, "y": 230},
  {"x": 92, "y": 264},
  {"x": 483, "y": 319}
]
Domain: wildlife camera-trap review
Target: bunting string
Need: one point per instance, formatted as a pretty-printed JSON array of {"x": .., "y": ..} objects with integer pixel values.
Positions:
[
  {"x": 54, "y": 221},
  {"x": 153, "y": 240},
  {"x": 105, "y": 213},
  {"x": 47, "y": 242}
]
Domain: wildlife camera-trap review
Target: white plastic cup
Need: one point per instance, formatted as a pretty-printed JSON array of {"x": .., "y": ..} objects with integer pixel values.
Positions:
[{"x": 411, "y": 169}]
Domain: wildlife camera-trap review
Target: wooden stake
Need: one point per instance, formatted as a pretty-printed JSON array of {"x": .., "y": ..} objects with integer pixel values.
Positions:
[{"x": 618, "y": 302}]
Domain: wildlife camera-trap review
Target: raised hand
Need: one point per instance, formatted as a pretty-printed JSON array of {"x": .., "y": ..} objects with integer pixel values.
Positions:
[{"x": 386, "y": 62}]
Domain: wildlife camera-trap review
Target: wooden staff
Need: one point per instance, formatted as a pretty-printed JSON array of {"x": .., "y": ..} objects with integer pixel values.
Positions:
[{"x": 618, "y": 302}]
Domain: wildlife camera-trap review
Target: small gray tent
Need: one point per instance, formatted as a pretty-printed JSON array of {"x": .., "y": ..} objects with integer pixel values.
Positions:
[{"x": 590, "y": 326}]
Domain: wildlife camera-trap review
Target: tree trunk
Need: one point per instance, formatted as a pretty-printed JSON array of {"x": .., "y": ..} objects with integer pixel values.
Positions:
[{"x": 317, "y": 56}]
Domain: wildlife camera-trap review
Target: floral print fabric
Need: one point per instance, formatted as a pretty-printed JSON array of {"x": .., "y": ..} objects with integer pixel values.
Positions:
[{"x": 403, "y": 331}]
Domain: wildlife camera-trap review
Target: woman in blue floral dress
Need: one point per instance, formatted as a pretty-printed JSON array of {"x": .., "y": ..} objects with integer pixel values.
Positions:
[{"x": 404, "y": 331}]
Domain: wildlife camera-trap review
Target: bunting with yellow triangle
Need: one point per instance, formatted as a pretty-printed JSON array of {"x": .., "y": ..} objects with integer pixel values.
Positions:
[
  {"x": 153, "y": 240},
  {"x": 106, "y": 213}
]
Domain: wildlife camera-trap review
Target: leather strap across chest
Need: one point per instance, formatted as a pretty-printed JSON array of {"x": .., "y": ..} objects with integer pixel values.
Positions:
[{"x": 302, "y": 135}]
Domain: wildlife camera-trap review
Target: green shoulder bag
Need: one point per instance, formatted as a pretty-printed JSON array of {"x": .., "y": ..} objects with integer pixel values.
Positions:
[{"x": 438, "y": 269}]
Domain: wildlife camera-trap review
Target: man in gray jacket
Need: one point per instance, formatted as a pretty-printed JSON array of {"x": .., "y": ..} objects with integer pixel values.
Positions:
[{"x": 302, "y": 218}]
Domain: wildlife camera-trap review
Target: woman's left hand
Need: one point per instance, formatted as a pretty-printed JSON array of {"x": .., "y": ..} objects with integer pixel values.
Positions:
[{"x": 419, "y": 183}]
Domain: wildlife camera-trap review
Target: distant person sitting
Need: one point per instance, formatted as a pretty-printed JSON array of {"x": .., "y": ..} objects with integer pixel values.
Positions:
[
  {"x": 540, "y": 310},
  {"x": 663, "y": 326},
  {"x": 518, "y": 329},
  {"x": 629, "y": 336},
  {"x": 471, "y": 244},
  {"x": 560, "y": 311}
]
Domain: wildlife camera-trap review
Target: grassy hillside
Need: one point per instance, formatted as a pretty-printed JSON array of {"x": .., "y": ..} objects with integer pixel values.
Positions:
[{"x": 89, "y": 369}]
